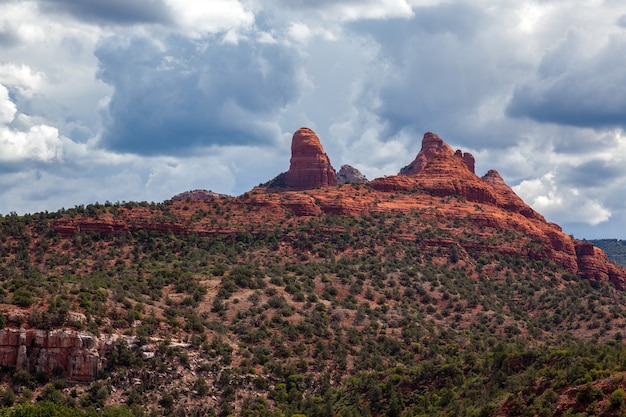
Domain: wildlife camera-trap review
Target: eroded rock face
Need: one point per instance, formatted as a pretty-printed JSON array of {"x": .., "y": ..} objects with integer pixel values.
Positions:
[
  {"x": 445, "y": 174},
  {"x": 468, "y": 159},
  {"x": 310, "y": 166},
  {"x": 73, "y": 354},
  {"x": 594, "y": 265},
  {"x": 348, "y": 174},
  {"x": 432, "y": 146},
  {"x": 507, "y": 199}
]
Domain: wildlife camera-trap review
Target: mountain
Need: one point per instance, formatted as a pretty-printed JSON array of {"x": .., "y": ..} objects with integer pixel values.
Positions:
[{"x": 430, "y": 292}]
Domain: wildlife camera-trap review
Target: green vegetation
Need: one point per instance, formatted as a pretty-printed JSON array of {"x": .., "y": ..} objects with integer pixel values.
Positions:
[{"x": 316, "y": 316}]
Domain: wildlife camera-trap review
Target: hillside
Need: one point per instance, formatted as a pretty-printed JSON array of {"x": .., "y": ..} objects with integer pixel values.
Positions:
[{"x": 432, "y": 292}]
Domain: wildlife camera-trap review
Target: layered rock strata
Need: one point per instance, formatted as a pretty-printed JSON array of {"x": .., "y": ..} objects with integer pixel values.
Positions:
[
  {"x": 309, "y": 167},
  {"x": 74, "y": 355},
  {"x": 432, "y": 147}
]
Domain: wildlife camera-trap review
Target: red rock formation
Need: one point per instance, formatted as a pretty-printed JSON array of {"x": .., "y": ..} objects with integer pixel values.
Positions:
[
  {"x": 310, "y": 166},
  {"x": 75, "y": 354},
  {"x": 485, "y": 205},
  {"x": 468, "y": 158},
  {"x": 432, "y": 146},
  {"x": 447, "y": 175},
  {"x": 507, "y": 199},
  {"x": 594, "y": 265}
]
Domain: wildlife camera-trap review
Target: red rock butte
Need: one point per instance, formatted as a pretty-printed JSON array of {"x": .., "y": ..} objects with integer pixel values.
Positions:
[
  {"x": 433, "y": 146},
  {"x": 309, "y": 166}
]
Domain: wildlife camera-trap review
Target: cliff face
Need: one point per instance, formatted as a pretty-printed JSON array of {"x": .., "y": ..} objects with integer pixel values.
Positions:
[
  {"x": 507, "y": 199},
  {"x": 74, "y": 355},
  {"x": 310, "y": 166}
]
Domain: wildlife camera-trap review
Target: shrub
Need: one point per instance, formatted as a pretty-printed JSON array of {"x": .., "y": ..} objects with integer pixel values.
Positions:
[{"x": 617, "y": 398}]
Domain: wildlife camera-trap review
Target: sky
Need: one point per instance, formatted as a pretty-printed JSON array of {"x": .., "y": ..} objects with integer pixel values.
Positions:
[{"x": 138, "y": 100}]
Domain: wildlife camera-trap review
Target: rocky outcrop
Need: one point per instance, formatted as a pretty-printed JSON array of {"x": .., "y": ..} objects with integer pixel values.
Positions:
[
  {"x": 71, "y": 227},
  {"x": 74, "y": 355},
  {"x": 594, "y": 265},
  {"x": 309, "y": 166},
  {"x": 350, "y": 175},
  {"x": 468, "y": 159},
  {"x": 432, "y": 147},
  {"x": 447, "y": 175},
  {"x": 507, "y": 199},
  {"x": 198, "y": 195}
]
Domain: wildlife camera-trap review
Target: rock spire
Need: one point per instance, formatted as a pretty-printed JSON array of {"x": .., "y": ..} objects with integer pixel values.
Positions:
[{"x": 309, "y": 166}]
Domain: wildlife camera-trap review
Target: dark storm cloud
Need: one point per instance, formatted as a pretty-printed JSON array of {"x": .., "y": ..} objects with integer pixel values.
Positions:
[
  {"x": 176, "y": 95},
  {"x": 111, "y": 11},
  {"x": 595, "y": 173},
  {"x": 442, "y": 69},
  {"x": 577, "y": 90},
  {"x": 8, "y": 38}
]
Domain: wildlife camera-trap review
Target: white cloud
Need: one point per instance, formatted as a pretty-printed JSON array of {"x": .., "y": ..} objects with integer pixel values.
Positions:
[
  {"x": 37, "y": 143},
  {"x": 369, "y": 9},
  {"x": 7, "y": 107},
  {"x": 567, "y": 204},
  {"x": 21, "y": 77},
  {"x": 210, "y": 16}
]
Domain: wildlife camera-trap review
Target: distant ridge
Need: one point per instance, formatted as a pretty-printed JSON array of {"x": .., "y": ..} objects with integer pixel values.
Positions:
[{"x": 615, "y": 249}]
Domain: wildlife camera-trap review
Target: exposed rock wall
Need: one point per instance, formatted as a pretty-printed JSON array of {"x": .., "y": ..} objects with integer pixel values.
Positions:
[
  {"x": 74, "y": 355},
  {"x": 310, "y": 166},
  {"x": 507, "y": 199},
  {"x": 432, "y": 146}
]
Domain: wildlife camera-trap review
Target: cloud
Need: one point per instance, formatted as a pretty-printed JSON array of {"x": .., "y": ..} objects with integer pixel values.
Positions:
[
  {"x": 22, "y": 78},
  {"x": 451, "y": 73},
  {"x": 567, "y": 204},
  {"x": 176, "y": 95},
  {"x": 351, "y": 10},
  {"x": 36, "y": 143},
  {"x": 111, "y": 11},
  {"x": 209, "y": 16},
  {"x": 573, "y": 87}
]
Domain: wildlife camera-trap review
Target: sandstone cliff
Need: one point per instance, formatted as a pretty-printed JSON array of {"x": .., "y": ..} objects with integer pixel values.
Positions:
[
  {"x": 309, "y": 167},
  {"x": 71, "y": 354}
]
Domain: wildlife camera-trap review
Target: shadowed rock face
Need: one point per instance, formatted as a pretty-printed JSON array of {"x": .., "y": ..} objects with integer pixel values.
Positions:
[
  {"x": 310, "y": 166},
  {"x": 348, "y": 174}
]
